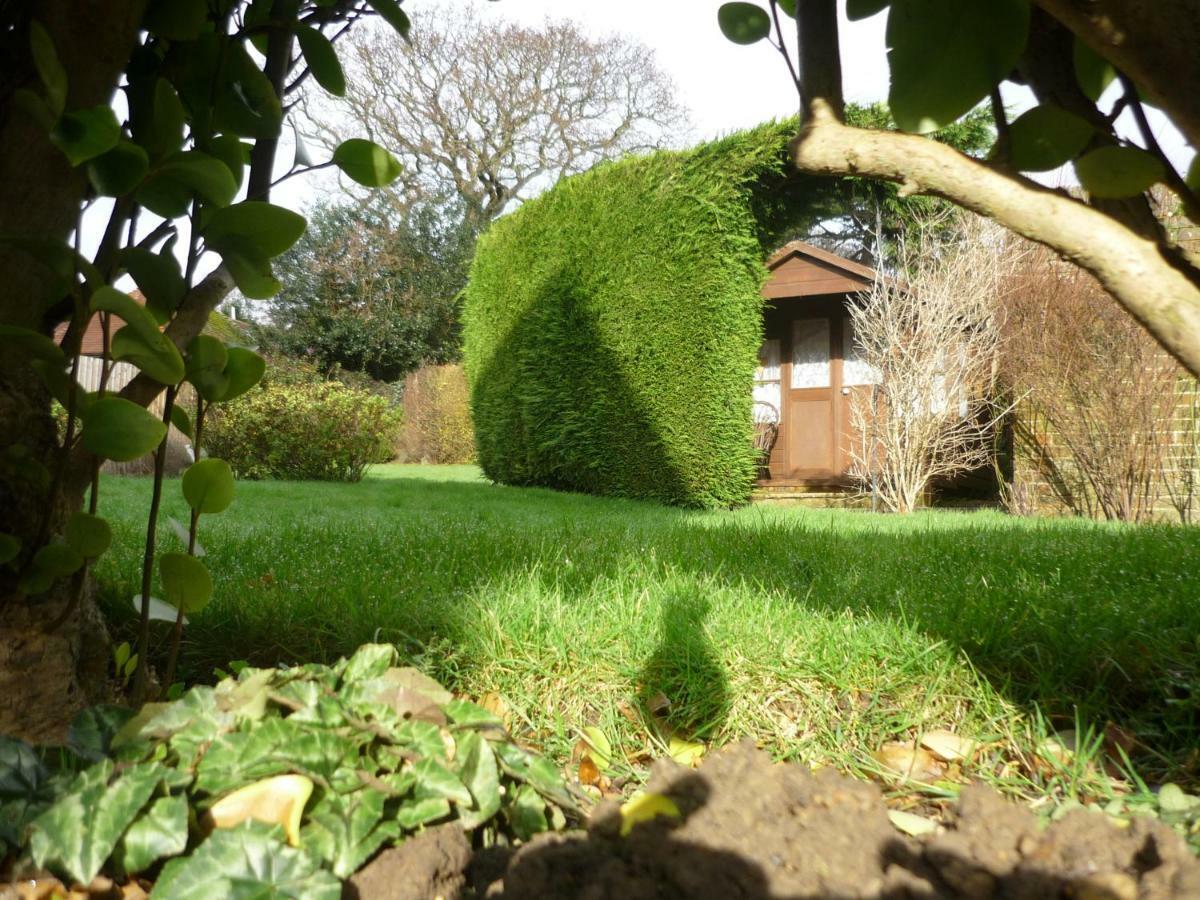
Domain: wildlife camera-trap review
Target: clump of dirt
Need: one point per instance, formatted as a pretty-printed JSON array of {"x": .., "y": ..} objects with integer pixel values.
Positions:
[
  {"x": 753, "y": 829},
  {"x": 431, "y": 864}
]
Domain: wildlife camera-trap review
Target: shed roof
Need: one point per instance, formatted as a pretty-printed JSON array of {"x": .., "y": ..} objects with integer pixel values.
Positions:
[{"x": 800, "y": 269}]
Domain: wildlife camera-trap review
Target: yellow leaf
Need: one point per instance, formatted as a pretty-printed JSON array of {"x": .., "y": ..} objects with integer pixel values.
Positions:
[
  {"x": 948, "y": 746},
  {"x": 911, "y": 824},
  {"x": 277, "y": 801},
  {"x": 601, "y": 749},
  {"x": 686, "y": 753},
  {"x": 644, "y": 808}
]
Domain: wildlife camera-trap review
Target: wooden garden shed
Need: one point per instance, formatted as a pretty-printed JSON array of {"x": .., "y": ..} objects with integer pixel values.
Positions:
[{"x": 809, "y": 370}]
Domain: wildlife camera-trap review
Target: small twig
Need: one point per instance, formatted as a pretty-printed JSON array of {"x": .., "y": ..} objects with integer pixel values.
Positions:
[
  {"x": 782, "y": 45},
  {"x": 304, "y": 170},
  {"x": 1191, "y": 202}
]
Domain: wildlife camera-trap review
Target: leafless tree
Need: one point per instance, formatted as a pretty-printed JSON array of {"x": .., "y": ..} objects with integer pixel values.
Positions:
[
  {"x": 495, "y": 111},
  {"x": 930, "y": 336}
]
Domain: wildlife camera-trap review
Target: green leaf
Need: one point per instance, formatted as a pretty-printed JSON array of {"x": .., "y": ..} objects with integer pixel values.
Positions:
[
  {"x": 322, "y": 60},
  {"x": 157, "y": 356},
  {"x": 471, "y": 715},
  {"x": 533, "y": 770},
  {"x": 1045, "y": 138},
  {"x": 93, "y": 729},
  {"x": 246, "y": 103},
  {"x": 1193, "y": 175},
  {"x": 21, "y": 772},
  {"x": 392, "y": 14},
  {"x": 10, "y": 546},
  {"x": 186, "y": 583},
  {"x": 181, "y": 421},
  {"x": 946, "y": 55},
  {"x": 208, "y": 485},
  {"x": 108, "y": 299},
  {"x": 1117, "y": 171},
  {"x": 246, "y": 862},
  {"x": 120, "y": 429},
  {"x": 369, "y": 661},
  {"x": 527, "y": 812},
  {"x": 79, "y": 832},
  {"x": 169, "y": 190},
  {"x": 87, "y": 534},
  {"x": 601, "y": 748},
  {"x": 50, "y": 563},
  {"x": 366, "y": 162},
  {"x": 49, "y": 69},
  {"x": 743, "y": 23},
  {"x": 160, "y": 831},
  {"x": 477, "y": 767},
  {"x": 788, "y": 6},
  {"x": 864, "y": 9},
  {"x": 435, "y": 780},
  {"x": 1093, "y": 72},
  {"x": 415, "y": 813},
  {"x": 243, "y": 370},
  {"x": 35, "y": 107},
  {"x": 35, "y": 344},
  {"x": 120, "y": 170},
  {"x": 231, "y": 151},
  {"x": 253, "y": 276},
  {"x": 206, "y": 359},
  {"x": 86, "y": 133},
  {"x": 158, "y": 277},
  {"x": 177, "y": 20},
  {"x": 169, "y": 118},
  {"x": 343, "y": 829},
  {"x": 254, "y": 229}
]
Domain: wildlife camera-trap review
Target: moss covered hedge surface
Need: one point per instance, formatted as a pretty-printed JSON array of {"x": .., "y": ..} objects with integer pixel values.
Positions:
[{"x": 612, "y": 324}]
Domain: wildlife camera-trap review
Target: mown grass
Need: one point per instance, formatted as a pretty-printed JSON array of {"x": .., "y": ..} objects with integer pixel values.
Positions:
[{"x": 821, "y": 633}]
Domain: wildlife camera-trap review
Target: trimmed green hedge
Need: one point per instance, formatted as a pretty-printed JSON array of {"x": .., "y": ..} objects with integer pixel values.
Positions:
[{"x": 612, "y": 325}]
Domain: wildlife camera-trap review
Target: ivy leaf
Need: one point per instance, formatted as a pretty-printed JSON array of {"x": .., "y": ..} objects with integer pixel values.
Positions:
[
  {"x": 743, "y": 23},
  {"x": 49, "y": 69},
  {"x": 343, "y": 831},
  {"x": 86, "y": 133},
  {"x": 160, "y": 831},
  {"x": 435, "y": 780},
  {"x": 78, "y": 833},
  {"x": 21, "y": 772},
  {"x": 392, "y": 14},
  {"x": 246, "y": 862},
  {"x": 536, "y": 771},
  {"x": 93, "y": 729},
  {"x": 1118, "y": 171},
  {"x": 322, "y": 60},
  {"x": 186, "y": 583},
  {"x": 366, "y": 162},
  {"x": 369, "y": 661},
  {"x": 1093, "y": 72},
  {"x": 1045, "y": 138},
  {"x": 120, "y": 170},
  {"x": 477, "y": 766},
  {"x": 527, "y": 812},
  {"x": 864, "y": 9},
  {"x": 89, "y": 535},
  {"x": 412, "y": 814},
  {"x": 208, "y": 485},
  {"x": 946, "y": 55}
]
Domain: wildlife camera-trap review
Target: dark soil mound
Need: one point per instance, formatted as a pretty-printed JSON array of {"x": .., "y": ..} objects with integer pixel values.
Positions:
[{"x": 752, "y": 829}]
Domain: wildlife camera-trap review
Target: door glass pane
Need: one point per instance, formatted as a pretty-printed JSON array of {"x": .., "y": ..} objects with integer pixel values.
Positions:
[
  {"x": 854, "y": 368},
  {"x": 810, "y": 353},
  {"x": 766, "y": 382}
]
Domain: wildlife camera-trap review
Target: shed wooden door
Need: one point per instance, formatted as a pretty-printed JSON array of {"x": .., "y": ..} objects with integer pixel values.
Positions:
[{"x": 811, "y": 408}]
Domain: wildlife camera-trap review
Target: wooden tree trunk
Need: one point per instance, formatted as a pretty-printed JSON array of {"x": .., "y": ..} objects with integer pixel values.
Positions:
[{"x": 44, "y": 677}]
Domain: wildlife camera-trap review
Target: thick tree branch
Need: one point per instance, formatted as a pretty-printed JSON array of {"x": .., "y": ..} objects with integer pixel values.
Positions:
[
  {"x": 819, "y": 54},
  {"x": 1159, "y": 292}
]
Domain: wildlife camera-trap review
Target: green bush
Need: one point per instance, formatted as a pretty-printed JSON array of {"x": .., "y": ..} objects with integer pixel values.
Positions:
[
  {"x": 297, "y": 427},
  {"x": 612, "y": 325},
  {"x": 437, "y": 417}
]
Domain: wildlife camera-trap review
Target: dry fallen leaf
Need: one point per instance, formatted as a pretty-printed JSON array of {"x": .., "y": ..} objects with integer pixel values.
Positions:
[
  {"x": 589, "y": 772},
  {"x": 277, "y": 801},
  {"x": 497, "y": 706},
  {"x": 686, "y": 753},
  {"x": 948, "y": 746},
  {"x": 600, "y": 747},
  {"x": 658, "y": 704},
  {"x": 909, "y": 762},
  {"x": 645, "y": 807},
  {"x": 912, "y": 824}
]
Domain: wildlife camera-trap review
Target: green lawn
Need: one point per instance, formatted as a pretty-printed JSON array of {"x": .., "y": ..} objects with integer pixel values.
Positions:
[{"x": 821, "y": 633}]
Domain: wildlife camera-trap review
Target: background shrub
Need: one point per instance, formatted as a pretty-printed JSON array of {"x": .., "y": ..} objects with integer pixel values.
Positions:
[
  {"x": 437, "y": 417},
  {"x": 297, "y": 426},
  {"x": 612, "y": 324}
]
